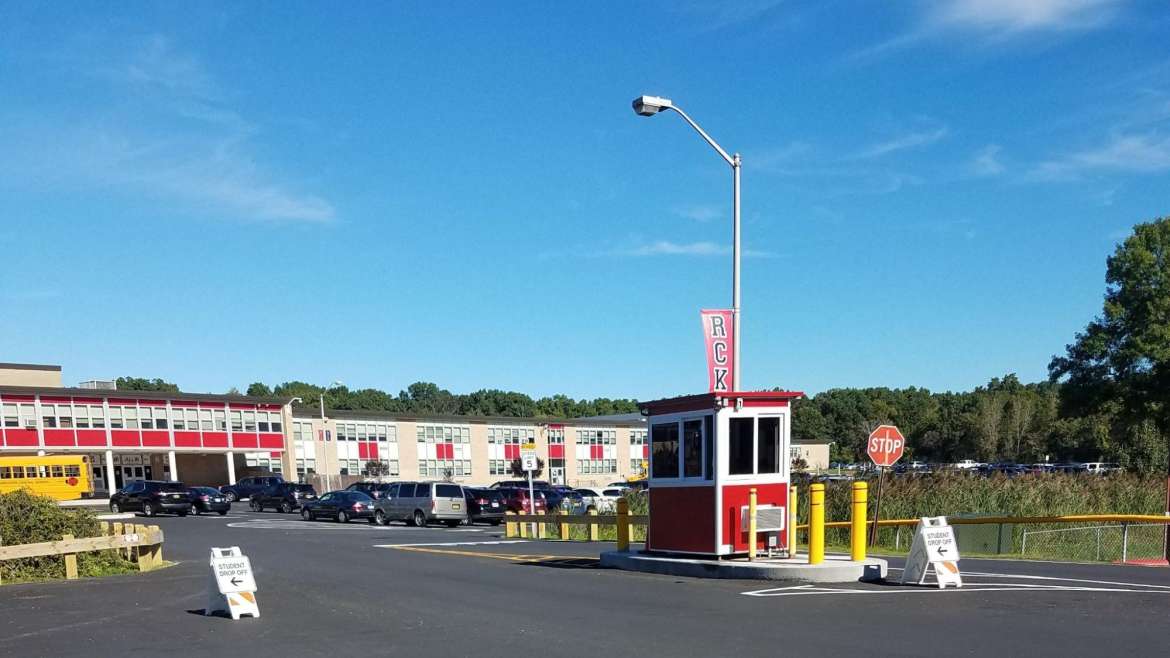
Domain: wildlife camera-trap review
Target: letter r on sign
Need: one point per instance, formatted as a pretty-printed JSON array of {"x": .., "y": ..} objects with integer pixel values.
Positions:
[{"x": 717, "y": 328}]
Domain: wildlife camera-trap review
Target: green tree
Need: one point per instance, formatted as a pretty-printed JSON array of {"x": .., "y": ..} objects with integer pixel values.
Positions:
[
  {"x": 259, "y": 390},
  {"x": 141, "y": 384},
  {"x": 1121, "y": 361}
]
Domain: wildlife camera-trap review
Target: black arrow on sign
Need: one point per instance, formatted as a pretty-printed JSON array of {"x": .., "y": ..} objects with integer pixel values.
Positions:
[
  {"x": 235, "y": 581},
  {"x": 942, "y": 550}
]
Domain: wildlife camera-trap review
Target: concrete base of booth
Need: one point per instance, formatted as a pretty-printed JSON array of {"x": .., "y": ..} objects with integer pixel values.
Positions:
[{"x": 835, "y": 568}]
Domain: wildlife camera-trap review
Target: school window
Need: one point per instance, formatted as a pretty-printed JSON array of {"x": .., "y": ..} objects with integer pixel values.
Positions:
[
  {"x": 64, "y": 416},
  {"x": 596, "y": 451},
  {"x": 250, "y": 422},
  {"x": 97, "y": 417},
  {"x": 237, "y": 421},
  {"x": 160, "y": 418},
  {"x": 193, "y": 420},
  {"x": 274, "y": 422},
  {"x": 131, "y": 417},
  {"x": 361, "y": 432},
  {"x": 81, "y": 417},
  {"x": 145, "y": 419},
  {"x": 205, "y": 420},
  {"x": 341, "y": 432},
  {"x": 48, "y": 418},
  {"x": 177, "y": 422},
  {"x": 116, "y": 422},
  {"x": 504, "y": 446},
  {"x": 28, "y": 416},
  {"x": 638, "y": 452},
  {"x": 262, "y": 423},
  {"x": 11, "y": 418}
]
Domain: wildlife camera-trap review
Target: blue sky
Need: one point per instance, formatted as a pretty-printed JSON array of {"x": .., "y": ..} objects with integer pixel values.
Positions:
[{"x": 460, "y": 193}]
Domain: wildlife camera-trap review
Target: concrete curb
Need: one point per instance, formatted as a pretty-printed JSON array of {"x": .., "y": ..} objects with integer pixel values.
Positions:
[
  {"x": 115, "y": 517},
  {"x": 834, "y": 569}
]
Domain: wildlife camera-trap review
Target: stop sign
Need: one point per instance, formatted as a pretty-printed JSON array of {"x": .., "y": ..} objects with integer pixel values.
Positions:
[{"x": 886, "y": 445}]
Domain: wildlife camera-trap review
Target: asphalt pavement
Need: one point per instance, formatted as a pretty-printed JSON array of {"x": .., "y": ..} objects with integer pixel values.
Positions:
[{"x": 328, "y": 589}]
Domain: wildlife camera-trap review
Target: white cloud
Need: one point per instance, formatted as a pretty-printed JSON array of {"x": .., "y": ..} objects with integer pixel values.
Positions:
[
  {"x": 703, "y": 212},
  {"x": 1147, "y": 153},
  {"x": 174, "y": 139},
  {"x": 909, "y": 140},
  {"x": 986, "y": 161},
  {"x": 1012, "y": 16},
  {"x": 670, "y": 248}
]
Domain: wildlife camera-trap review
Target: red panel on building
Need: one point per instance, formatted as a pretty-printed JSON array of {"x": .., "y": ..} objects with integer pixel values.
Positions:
[
  {"x": 48, "y": 400},
  {"x": 684, "y": 519},
  {"x": 215, "y": 440},
  {"x": 735, "y": 498},
  {"x": 156, "y": 439},
  {"x": 91, "y": 438},
  {"x": 59, "y": 438},
  {"x": 184, "y": 403},
  {"x": 124, "y": 438},
  {"x": 596, "y": 452},
  {"x": 275, "y": 455},
  {"x": 363, "y": 450},
  {"x": 374, "y": 451},
  {"x": 645, "y": 452},
  {"x": 511, "y": 451},
  {"x": 556, "y": 451},
  {"x": 187, "y": 440},
  {"x": 270, "y": 407},
  {"x": 87, "y": 401},
  {"x": 211, "y": 405},
  {"x": 17, "y": 398},
  {"x": 240, "y": 440},
  {"x": 18, "y": 438},
  {"x": 152, "y": 403},
  {"x": 123, "y": 402},
  {"x": 240, "y": 405},
  {"x": 275, "y": 441}
]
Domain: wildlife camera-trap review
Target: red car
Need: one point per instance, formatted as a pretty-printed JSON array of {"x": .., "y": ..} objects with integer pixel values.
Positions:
[{"x": 516, "y": 500}]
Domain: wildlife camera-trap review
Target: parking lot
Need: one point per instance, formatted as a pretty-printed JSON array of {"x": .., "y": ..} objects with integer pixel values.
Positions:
[{"x": 327, "y": 588}]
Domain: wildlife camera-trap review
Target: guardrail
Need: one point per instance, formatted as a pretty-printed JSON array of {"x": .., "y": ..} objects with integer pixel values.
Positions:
[
  {"x": 536, "y": 525},
  {"x": 141, "y": 543}
]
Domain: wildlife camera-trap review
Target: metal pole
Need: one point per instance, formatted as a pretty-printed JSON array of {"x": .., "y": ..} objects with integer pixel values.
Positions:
[
  {"x": 877, "y": 507},
  {"x": 1124, "y": 542},
  {"x": 532, "y": 503},
  {"x": 752, "y": 524},
  {"x": 735, "y": 301}
]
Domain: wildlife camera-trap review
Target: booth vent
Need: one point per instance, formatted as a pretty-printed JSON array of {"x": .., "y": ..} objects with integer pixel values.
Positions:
[{"x": 769, "y": 518}]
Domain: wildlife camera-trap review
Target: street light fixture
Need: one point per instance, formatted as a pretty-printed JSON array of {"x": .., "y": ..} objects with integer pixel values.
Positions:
[{"x": 648, "y": 106}]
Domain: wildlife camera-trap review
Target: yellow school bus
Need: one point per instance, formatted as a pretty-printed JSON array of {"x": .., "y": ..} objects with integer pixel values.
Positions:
[{"x": 64, "y": 477}]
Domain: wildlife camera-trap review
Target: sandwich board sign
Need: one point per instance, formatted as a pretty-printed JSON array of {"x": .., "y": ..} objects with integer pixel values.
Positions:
[
  {"x": 934, "y": 547},
  {"x": 232, "y": 587}
]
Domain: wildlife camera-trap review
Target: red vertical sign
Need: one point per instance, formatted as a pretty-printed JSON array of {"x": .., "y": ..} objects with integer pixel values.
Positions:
[{"x": 719, "y": 336}]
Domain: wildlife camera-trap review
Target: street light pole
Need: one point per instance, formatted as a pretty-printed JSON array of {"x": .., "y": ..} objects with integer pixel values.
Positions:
[
  {"x": 325, "y": 434},
  {"x": 651, "y": 105}
]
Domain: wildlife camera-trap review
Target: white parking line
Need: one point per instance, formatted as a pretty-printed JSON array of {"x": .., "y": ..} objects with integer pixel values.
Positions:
[
  {"x": 1046, "y": 584},
  {"x": 457, "y": 543}
]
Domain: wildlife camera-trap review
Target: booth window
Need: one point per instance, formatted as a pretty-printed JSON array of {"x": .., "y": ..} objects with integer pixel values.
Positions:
[
  {"x": 740, "y": 442},
  {"x": 709, "y": 446},
  {"x": 769, "y": 452},
  {"x": 664, "y": 447},
  {"x": 693, "y": 449}
]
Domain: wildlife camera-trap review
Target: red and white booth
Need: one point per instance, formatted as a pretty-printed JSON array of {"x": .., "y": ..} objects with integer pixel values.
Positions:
[{"x": 706, "y": 453}]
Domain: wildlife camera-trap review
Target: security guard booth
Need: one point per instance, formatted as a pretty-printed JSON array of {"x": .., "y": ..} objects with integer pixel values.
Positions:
[{"x": 706, "y": 453}]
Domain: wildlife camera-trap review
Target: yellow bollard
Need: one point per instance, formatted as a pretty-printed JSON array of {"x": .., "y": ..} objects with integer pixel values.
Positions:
[
  {"x": 816, "y": 523},
  {"x": 860, "y": 507},
  {"x": 793, "y": 517},
  {"x": 593, "y": 535},
  {"x": 564, "y": 529},
  {"x": 509, "y": 525},
  {"x": 751, "y": 524},
  {"x": 623, "y": 525}
]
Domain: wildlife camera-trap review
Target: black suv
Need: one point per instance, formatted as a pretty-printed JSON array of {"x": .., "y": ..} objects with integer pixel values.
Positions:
[
  {"x": 247, "y": 487},
  {"x": 284, "y": 497},
  {"x": 375, "y": 490},
  {"x": 151, "y": 497}
]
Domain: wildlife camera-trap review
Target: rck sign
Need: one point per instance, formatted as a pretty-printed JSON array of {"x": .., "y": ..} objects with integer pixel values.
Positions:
[{"x": 719, "y": 335}]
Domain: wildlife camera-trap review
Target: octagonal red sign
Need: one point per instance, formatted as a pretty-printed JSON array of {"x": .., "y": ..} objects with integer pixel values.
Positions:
[{"x": 886, "y": 445}]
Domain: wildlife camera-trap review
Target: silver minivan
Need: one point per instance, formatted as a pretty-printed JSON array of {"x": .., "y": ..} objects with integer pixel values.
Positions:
[{"x": 419, "y": 503}]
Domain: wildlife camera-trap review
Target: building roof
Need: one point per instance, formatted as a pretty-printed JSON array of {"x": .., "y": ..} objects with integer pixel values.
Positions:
[
  {"x": 30, "y": 366},
  {"x": 356, "y": 414},
  {"x": 712, "y": 400},
  {"x": 143, "y": 395},
  {"x": 635, "y": 418}
]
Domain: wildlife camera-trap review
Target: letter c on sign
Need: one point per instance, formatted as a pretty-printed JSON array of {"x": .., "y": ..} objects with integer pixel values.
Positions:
[{"x": 719, "y": 350}]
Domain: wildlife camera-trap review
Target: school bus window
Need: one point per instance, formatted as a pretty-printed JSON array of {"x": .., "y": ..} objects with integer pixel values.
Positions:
[
  {"x": 17, "y": 473},
  {"x": 5, "y": 473},
  {"x": 43, "y": 471},
  {"x": 58, "y": 471},
  {"x": 30, "y": 471},
  {"x": 72, "y": 471}
]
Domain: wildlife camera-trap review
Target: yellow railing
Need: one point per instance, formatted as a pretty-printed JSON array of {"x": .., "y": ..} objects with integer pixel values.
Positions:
[{"x": 534, "y": 525}]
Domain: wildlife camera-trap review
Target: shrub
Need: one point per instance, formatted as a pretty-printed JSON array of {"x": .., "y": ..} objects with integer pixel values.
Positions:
[{"x": 26, "y": 518}]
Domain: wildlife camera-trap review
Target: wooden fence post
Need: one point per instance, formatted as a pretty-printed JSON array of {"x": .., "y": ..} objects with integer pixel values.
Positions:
[
  {"x": 593, "y": 534},
  {"x": 70, "y": 561}
]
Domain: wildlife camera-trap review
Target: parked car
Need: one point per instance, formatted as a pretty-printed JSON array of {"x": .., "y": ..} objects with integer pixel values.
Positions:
[
  {"x": 573, "y": 502},
  {"x": 340, "y": 506},
  {"x": 486, "y": 505},
  {"x": 284, "y": 497},
  {"x": 245, "y": 487},
  {"x": 374, "y": 490},
  {"x": 601, "y": 500},
  {"x": 516, "y": 500},
  {"x": 207, "y": 499},
  {"x": 152, "y": 497},
  {"x": 419, "y": 503}
]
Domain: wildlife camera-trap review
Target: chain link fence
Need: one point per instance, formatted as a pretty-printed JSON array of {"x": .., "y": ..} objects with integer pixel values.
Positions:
[{"x": 1108, "y": 542}]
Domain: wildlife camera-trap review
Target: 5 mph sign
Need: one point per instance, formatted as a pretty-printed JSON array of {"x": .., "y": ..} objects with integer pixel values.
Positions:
[{"x": 886, "y": 445}]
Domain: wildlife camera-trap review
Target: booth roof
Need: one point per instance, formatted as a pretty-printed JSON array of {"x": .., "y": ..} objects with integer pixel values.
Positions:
[{"x": 714, "y": 400}]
